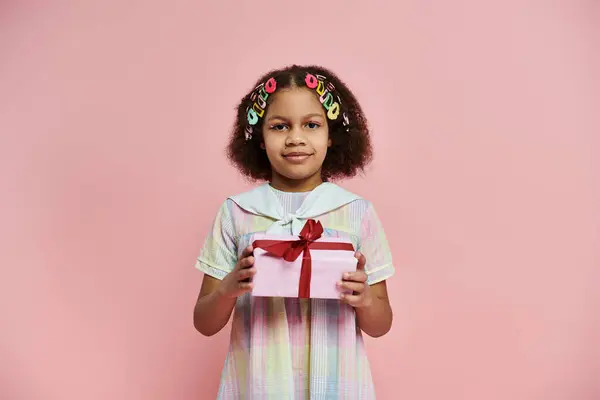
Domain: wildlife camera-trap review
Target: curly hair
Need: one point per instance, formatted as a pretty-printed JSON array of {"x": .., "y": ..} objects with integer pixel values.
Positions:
[{"x": 349, "y": 153}]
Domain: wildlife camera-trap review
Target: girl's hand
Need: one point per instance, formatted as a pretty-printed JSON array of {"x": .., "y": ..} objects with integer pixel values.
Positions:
[
  {"x": 356, "y": 282},
  {"x": 239, "y": 280}
]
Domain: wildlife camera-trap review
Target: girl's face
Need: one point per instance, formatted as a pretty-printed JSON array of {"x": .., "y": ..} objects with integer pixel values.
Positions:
[{"x": 296, "y": 138}]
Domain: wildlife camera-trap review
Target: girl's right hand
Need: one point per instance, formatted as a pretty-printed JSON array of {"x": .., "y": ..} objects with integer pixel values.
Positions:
[{"x": 239, "y": 280}]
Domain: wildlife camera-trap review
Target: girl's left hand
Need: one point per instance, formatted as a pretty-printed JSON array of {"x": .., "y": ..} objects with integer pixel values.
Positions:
[{"x": 356, "y": 282}]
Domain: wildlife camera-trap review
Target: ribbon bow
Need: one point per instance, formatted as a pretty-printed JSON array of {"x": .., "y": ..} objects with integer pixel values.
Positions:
[{"x": 290, "y": 250}]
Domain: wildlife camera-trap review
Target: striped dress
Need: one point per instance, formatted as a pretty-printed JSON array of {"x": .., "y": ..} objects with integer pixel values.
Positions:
[{"x": 289, "y": 348}]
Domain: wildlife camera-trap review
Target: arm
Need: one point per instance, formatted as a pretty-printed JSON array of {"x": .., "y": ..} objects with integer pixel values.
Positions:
[
  {"x": 371, "y": 302},
  {"x": 217, "y": 298},
  {"x": 376, "y": 320},
  {"x": 212, "y": 311}
]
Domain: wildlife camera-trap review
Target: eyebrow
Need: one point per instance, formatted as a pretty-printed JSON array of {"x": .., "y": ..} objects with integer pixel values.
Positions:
[{"x": 305, "y": 117}]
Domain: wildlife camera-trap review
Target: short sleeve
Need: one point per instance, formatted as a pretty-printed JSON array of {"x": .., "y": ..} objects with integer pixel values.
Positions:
[
  {"x": 374, "y": 246},
  {"x": 219, "y": 253}
]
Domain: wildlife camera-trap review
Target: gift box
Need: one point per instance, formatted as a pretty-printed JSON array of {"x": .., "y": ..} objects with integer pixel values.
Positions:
[{"x": 305, "y": 266}]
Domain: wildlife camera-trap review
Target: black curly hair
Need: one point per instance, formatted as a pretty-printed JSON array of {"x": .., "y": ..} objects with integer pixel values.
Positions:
[{"x": 349, "y": 153}]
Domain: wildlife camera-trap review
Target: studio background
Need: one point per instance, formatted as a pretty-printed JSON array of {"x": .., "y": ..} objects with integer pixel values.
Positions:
[{"x": 113, "y": 121}]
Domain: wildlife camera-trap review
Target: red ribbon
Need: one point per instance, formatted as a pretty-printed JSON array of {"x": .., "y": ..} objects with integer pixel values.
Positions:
[{"x": 290, "y": 250}]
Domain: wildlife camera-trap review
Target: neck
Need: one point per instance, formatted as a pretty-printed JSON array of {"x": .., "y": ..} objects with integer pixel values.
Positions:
[{"x": 296, "y": 185}]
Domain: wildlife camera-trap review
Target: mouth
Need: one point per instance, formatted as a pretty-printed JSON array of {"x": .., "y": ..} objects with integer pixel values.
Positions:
[{"x": 297, "y": 156}]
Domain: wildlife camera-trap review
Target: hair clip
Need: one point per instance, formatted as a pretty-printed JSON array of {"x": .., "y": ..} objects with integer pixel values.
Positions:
[
  {"x": 248, "y": 132},
  {"x": 346, "y": 122},
  {"x": 259, "y": 97},
  {"x": 324, "y": 91}
]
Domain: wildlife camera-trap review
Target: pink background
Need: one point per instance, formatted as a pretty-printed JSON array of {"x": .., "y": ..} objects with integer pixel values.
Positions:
[{"x": 113, "y": 119}]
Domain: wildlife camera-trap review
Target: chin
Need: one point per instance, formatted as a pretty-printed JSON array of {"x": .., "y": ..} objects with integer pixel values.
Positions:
[{"x": 297, "y": 174}]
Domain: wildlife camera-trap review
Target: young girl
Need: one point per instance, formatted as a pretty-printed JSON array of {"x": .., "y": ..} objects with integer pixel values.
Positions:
[{"x": 298, "y": 129}]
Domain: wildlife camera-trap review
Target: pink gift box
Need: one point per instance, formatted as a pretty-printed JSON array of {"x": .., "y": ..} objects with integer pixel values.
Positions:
[{"x": 276, "y": 277}]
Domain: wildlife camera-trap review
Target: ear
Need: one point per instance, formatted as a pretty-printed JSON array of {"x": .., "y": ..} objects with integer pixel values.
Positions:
[
  {"x": 262, "y": 145},
  {"x": 329, "y": 143}
]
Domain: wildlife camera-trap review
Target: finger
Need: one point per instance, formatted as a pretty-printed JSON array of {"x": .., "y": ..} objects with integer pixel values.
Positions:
[
  {"x": 351, "y": 299},
  {"x": 351, "y": 287},
  {"x": 246, "y": 273},
  {"x": 358, "y": 276},
  {"x": 245, "y": 286},
  {"x": 246, "y": 262},
  {"x": 247, "y": 252},
  {"x": 361, "y": 261}
]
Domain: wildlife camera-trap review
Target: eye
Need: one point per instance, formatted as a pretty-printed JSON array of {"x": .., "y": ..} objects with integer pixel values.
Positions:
[
  {"x": 312, "y": 125},
  {"x": 278, "y": 127}
]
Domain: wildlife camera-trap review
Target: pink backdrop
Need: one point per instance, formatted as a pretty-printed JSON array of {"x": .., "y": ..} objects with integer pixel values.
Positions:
[{"x": 113, "y": 117}]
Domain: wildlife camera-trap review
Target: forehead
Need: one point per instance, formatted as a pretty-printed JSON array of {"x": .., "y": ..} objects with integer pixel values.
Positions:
[{"x": 295, "y": 102}]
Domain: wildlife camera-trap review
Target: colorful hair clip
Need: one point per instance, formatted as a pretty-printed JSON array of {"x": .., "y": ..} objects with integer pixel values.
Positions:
[
  {"x": 325, "y": 91},
  {"x": 311, "y": 81},
  {"x": 248, "y": 132},
  {"x": 346, "y": 121},
  {"x": 271, "y": 85},
  {"x": 259, "y": 97}
]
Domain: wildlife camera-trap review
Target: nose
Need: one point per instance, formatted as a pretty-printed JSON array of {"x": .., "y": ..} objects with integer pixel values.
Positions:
[{"x": 295, "y": 137}]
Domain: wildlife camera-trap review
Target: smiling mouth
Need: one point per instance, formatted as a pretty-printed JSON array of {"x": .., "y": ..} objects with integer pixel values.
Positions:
[{"x": 297, "y": 156}]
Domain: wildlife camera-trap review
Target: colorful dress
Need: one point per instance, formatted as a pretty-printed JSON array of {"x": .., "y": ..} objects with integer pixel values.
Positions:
[{"x": 289, "y": 348}]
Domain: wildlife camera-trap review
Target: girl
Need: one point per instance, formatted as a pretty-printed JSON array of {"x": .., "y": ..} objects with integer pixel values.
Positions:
[{"x": 298, "y": 129}]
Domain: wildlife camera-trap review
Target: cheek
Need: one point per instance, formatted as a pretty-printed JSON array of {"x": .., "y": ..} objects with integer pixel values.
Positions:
[
  {"x": 322, "y": 141},
  {"x": 272, "y": 143}
]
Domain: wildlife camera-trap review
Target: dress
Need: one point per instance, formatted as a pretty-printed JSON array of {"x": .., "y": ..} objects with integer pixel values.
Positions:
[{"x": 289, "y": 348}]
